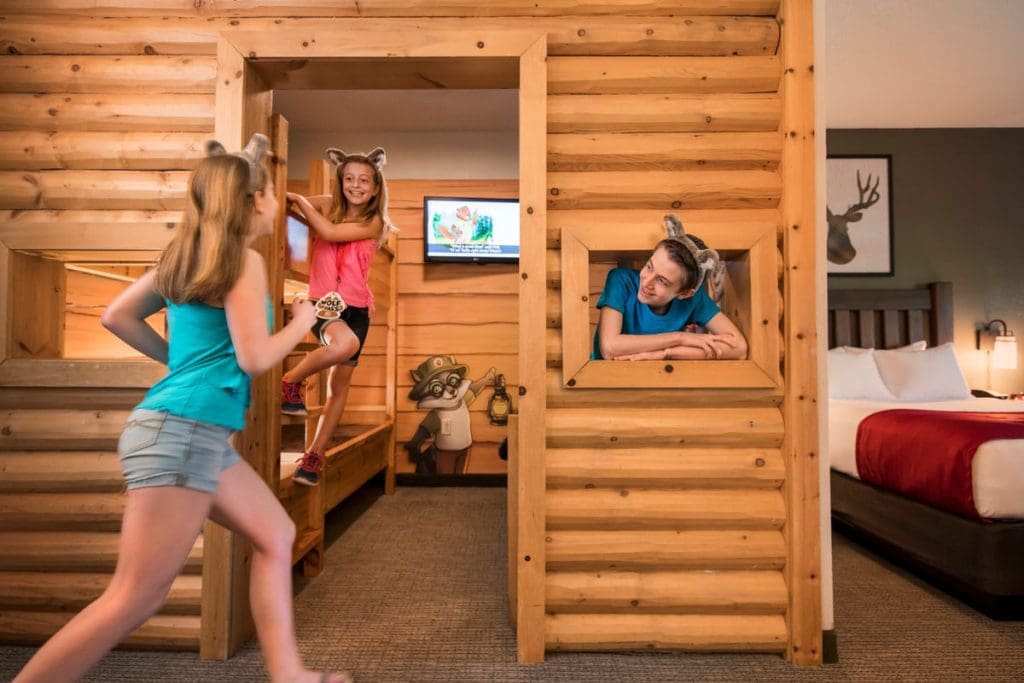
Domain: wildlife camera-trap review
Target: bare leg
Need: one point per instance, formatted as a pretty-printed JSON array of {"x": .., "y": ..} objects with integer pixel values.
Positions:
[
  {"x": 334, "y": 407},
  {"x": 159, "y": 528},
  {"x": 245, "y": 504},
  {"x": 342, "y": 344}
]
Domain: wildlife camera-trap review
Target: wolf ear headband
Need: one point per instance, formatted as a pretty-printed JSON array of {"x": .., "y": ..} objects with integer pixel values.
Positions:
[
  {"x": 376, "y": 158},
  {"x": 253, "y": 154},
  {"x": 709, "y": 264}
]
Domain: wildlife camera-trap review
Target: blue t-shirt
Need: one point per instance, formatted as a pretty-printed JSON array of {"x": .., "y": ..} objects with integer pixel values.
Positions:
[{"x": 620, "y": 293}]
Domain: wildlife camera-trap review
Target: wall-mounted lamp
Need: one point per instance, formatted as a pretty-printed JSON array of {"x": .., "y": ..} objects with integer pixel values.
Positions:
[{"x": 1002, "y": 345}]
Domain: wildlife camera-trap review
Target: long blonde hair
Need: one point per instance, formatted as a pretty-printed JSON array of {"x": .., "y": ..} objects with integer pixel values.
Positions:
[
  {"x": 204, "y": 258},
  {"x": 377, "y": 206}
]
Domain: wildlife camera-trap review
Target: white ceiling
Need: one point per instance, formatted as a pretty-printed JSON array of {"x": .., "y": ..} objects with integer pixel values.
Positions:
[
  {"x": 888, "y": 64},
  {"x": 924, "y": 63}
]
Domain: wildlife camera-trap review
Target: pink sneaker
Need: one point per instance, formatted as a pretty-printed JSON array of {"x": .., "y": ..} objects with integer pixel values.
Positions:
[
  {"x": 308, "y": 472},
  {"x": 291, "y": 398}
]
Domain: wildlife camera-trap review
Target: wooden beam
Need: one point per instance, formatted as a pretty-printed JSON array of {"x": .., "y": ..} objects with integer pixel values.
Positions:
[
  {"x": 87, "y": 230},
  {"x": 697, "y": 632},
  {"x": 92, "y": 190},
  {"x": 124, "y": 112},
  {"x": 103, "y": 74},
  {"x": 612, "y": 35},
  {"x": 663, "y": 151},
  {"x": 801, "y": 225},
  {"x": 39, "y": 151},
  {"x": 531, "y": 504},
  {"x": 669, "y": 75},
  {"x": 393, "y": 8},
  {"x": 664, "y": 189},
  {"x": 36, "y": 312},
  {"x": 663, "y": 113}
]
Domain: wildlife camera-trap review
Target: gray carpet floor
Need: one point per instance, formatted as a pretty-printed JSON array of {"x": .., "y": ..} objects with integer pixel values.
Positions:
[{"x": 415, "y": 591}]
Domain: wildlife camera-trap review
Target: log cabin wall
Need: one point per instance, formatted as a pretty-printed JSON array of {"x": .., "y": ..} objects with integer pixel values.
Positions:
[{"x": 672, "y": 518}]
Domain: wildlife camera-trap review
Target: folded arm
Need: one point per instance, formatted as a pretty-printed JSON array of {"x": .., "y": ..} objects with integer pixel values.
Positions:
[{"x": 126, "y": 317}]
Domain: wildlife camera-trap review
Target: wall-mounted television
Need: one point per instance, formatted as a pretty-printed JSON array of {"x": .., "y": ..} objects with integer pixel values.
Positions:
[{"x": 470, "y": 229}]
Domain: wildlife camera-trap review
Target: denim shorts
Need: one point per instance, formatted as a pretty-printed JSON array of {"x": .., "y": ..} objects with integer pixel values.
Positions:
[{"x": 160, "y": 449}]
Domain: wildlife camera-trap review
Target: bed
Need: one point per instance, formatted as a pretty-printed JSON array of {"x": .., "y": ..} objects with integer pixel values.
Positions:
[{"x": 979, "y": 561}]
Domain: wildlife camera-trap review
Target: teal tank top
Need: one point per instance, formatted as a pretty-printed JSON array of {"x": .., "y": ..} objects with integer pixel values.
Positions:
[{"x": 204, "y": 381}]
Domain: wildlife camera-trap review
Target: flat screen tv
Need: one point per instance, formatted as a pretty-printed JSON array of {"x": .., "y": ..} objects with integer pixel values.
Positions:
[{"x": 468, "y": 229}]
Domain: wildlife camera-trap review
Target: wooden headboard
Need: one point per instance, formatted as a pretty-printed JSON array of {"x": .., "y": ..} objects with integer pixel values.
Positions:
[{"x": 886, "y": 318}]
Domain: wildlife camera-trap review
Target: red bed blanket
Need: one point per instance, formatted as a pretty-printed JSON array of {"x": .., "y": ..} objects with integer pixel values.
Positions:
[{"x": 927, "y": 455}]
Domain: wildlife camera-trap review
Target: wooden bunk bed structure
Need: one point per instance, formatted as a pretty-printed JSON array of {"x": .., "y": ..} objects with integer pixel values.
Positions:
[{"x": 678, "y": 511}]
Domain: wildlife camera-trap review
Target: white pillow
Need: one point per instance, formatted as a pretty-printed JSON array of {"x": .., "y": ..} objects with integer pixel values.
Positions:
[
  {"x": 931, "y": 375},
  {"x": 855, "y": 376},
  {"x": 919, "y": 345}
]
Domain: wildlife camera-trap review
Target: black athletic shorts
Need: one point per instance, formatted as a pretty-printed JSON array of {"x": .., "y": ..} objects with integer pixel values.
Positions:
[{"x": 358, "y": 320}]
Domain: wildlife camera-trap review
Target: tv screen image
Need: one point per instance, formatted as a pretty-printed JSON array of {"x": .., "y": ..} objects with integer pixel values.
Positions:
[{"x": 471, "y": 229}]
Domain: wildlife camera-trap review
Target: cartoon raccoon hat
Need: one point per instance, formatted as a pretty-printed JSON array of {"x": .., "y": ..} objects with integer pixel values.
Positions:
[
  {"x": 253, "y": 155},
  {"x": 709, "y": 263}
]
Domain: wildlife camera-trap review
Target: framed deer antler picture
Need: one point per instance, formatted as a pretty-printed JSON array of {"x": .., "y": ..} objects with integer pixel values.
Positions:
[{"x": 859, "y": 199}]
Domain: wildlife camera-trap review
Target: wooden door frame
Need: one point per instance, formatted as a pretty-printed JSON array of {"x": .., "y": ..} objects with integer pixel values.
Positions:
[{"x": 242, "y": 108}]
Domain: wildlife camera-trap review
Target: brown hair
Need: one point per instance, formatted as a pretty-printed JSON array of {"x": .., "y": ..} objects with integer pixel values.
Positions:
[
  {"x": 205, "y": 256},
  {"x": 682, "y": 256}
]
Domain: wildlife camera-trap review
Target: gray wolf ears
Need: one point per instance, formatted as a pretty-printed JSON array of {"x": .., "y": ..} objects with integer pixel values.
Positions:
[
  {"x": 254, "y": 152},
  {"x": 674, "y": 227},
  {"x": 378, "y": 158}
]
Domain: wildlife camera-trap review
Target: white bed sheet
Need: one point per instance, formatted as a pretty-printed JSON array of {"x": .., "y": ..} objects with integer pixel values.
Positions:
[{"x": 998, "y": 468}]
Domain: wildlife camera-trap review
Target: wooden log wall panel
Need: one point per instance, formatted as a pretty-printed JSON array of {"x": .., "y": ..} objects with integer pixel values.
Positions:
[
  {"x": 452, "y": 278},
  {"x": 73, "y": 551},
  {"x": 612, "y": 35},
  {"x": 103, "y": 74},
  {"x": 93, "y": 190},
  {"x": 665, "y": 549},
  {"x": 68, "y": 397},
  {"x": 643, "y": 509},
  {"x": 41, "y": 151},
  {"x": 661, "y": 427},
  {"x": 55, "y": 471},
  {"x": 457, "y": 339},
  {"x": 665, "y": 190},
  {"x": 683, "y": 467},
  {"x": 703, "y": 632},
  {"x": 702, "y": 222},
  {"x": 393, "y": 8},
  {"x": 162, "y": 632},
  {"x": 472, "y": 309},
  {"x": 404, "y": 74},
  {"x": 112, "y": 112},
  {"x": 658, "y": 113},
  {"x": 663, "y": 151},
  {"x": 504, "y": 360},
  {"x": 560, "y": 396},
  {"x": 669, "y": 75},
  {"x": 81, "y": 375},
  {"x": 63, "y": 511},
  {"x": 72, "y": 591},
  {"x": 666, "y": 592}
]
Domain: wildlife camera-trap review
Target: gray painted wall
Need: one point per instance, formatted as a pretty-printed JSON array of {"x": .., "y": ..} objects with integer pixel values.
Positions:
[{"x": 958, "y": 215}]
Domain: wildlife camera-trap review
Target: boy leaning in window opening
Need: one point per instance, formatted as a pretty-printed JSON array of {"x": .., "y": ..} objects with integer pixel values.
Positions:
[{"x": 644, "y": 313}]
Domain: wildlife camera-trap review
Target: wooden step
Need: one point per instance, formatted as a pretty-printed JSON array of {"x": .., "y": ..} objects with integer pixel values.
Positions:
[
  {"x": 696, "y": 632},
  {"x": 306, "y": 542},
  {"x": 704, "y": 549},
  {"x": 677, "y": 509},
  {"x": 665, "y": 467},
  {"x": 56, "y": 471},
  {"x": 62, "y": 511},
  {"x": 312, "y": 412},
  {"x": 666, "y": 592},
  {"x": 162, "y": 632},
  {"x": 71, "y": 591},
  {"x": 84, "y": 551}
]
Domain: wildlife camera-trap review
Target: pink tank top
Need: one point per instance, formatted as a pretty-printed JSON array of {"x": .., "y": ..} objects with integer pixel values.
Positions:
[{"x": 342, "y": 267}]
